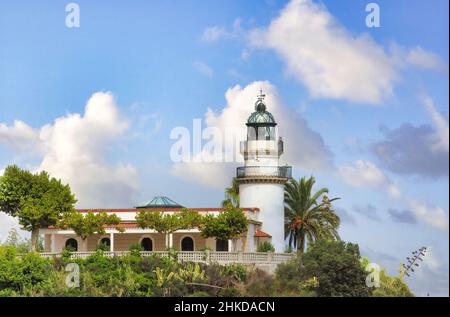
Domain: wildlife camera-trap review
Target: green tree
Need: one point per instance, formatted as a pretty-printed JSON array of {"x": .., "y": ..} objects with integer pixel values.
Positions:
[
  {"x": 168, "y": 223},
  {"x": 15, "y": 240},
  {"x": 307, "y": 218},
  {"x": 337, "y": 267},
  {"x": 390, "y": 286},
  {"x": 232, "y": 194},
  {"x": 88, "y": 224},
  {"x": 37, "y": 200},
  {"x": 228, "y": 225}
]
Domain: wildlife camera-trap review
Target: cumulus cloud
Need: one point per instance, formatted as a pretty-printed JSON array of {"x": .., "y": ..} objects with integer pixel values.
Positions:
[
  {"x": 203, "y": 69},
  {"x": 432, "y": 215},
  {"x": 75, "y": 147},
  {"x": 422, "y": 150},
  {"x": 367, "y": 174},
  {"x": 329, "y": 60},
  {"x": 304, "y": 147},
  {"x": 7, "y": 223},
  {"x": 20, "y": 137}
]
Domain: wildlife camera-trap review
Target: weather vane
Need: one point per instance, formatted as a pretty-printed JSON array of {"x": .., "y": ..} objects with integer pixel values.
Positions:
[{"x": 261, "y": 95}]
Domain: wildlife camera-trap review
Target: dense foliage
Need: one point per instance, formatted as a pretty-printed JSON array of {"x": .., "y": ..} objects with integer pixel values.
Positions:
[
  {"x": 228, "y": 225},
  {"x": 85, "y": 225},
  {"x": 336, "y": 265},
  {"x": 37, "y": 200},
  {"x": 265, "y": 246},
  {"x": 32, "y": 275}
]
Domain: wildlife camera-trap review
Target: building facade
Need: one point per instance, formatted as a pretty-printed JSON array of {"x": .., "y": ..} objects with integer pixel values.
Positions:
[{"x": 261, "y": 192}]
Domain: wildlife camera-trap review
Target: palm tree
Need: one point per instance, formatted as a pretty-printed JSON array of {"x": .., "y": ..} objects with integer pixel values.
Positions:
[
  {"x": 307, "y": 218},
  {"x": 232, "y": 194}
]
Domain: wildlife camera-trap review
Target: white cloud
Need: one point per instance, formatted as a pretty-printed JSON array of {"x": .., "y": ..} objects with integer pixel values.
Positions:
[
  {"x": 433, "y": 216},
  {"x": 441, "y": 136},
  {"x": 75, "y": 149},
  {"x": 215, "y": 33},
  {"x": 330, "y": 61},
  {"x": 7, "y": 223},
  {"x": 20, "y": 137},
  {"x": 203, "y": 69},
  {"x": 421, "y": 58},
  {"x": 367, "y": 174},
  {"x": 304, "y": 148}
]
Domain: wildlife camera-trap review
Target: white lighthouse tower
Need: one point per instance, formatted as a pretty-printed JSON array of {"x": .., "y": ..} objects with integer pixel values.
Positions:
[{"x": 262, "y": 179}]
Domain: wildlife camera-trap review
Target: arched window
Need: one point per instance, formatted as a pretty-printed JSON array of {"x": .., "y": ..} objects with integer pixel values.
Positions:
[
  {"x": 147, "y": 244},
  {"x": 105, "y": 242},
  {"x": 187, "y": 244},
  {"x": 72, "y": 244},
  {"x": 221, "y": 245}
]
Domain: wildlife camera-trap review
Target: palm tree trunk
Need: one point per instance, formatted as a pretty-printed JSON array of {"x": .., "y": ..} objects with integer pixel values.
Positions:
[{"x": 301, "y": 244}]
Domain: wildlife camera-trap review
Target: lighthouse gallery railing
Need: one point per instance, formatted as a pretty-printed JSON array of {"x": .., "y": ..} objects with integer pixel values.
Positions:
[{"x": 268, "y": 171}]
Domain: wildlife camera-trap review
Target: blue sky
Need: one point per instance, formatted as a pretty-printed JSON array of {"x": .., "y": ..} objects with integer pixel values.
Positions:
[{"x": 163, "y": 70}]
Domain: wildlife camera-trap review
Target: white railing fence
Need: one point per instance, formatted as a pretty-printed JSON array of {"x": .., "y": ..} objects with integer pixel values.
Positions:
[{"x": 198, "y": 256}]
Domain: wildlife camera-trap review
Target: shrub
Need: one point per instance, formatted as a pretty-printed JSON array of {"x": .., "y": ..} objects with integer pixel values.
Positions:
[
  {"x": 266, "y": 246},
  {"x": 229, "y": 292},
  {"x": 336, "y": 265},
  {"x": 290, "y": 274},
  {"x": 259, "y": 283},
  {"x": 136, "y": 249},
  {"x": 199, "y": 294},
  {"x": 236, "y": 271}
]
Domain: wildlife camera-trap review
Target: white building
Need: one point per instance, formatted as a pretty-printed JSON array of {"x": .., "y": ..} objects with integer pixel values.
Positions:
[{"x": 261, "y": 198}]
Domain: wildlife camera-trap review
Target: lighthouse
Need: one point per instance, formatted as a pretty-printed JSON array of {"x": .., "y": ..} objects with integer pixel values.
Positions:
[{"x": 262, "y": 179}]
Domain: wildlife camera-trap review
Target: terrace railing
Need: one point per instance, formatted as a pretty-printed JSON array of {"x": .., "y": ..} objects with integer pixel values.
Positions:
[{"x": 199, "y": 256}]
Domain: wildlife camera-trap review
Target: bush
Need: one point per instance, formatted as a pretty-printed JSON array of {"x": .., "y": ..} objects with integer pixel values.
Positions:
[
  {"x": 236, "y": 271},
  {"x": 266, "y": 246},
  {"x": 259, "y": 283},
  {"x": 229, "y": 292},
  {"x": 289, "y": 275},
  {"x": 18, "y": 273},
  {"x": 136, "y": 249},
  {"x": 336, "y": 265}
]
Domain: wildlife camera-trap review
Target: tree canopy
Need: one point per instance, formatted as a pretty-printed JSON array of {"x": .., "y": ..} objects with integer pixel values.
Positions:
[
  {"x": 229, "y": 224},
  {"x": 308, "y": 216},
  {"x": 337, "y": 267},
  {"x": 168, "y": 223},
  {"x": 89, "y": 224},
  {"x": 37, "y": 200}
]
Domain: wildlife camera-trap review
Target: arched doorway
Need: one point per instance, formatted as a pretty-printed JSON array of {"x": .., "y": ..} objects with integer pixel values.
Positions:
[
  {"x": 147, "y": 244},
  {"x": 72, "y": 244},
  {"x": 221, "y": 245},
  {"x": 187, "y": 244},
  {"x": 106, "y": 243}
]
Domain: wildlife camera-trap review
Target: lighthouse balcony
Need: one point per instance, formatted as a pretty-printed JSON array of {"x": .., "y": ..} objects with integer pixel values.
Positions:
[{"x": 264, "y": 171}]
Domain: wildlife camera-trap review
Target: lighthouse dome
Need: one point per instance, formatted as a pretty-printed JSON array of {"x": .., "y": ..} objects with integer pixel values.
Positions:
[{"x": 261, "y": 116}]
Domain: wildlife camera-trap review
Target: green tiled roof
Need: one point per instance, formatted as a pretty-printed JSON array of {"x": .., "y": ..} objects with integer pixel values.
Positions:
[
  {"x": 160, "y": 202},
  {"x": 261, "y": 116}
]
